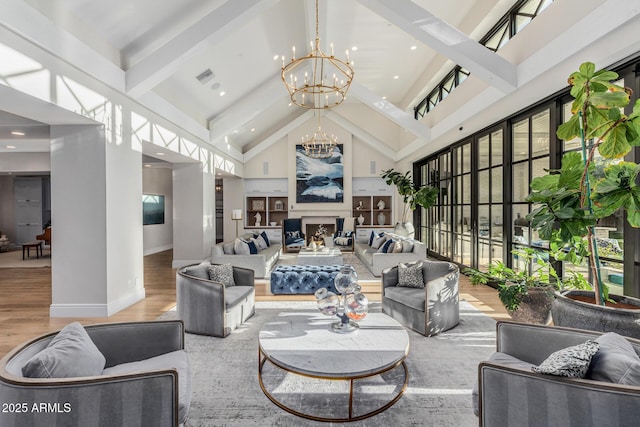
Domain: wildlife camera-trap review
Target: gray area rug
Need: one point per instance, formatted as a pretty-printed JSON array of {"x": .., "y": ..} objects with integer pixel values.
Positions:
[
  {"x": 348, "y": 258},
  {"x": 442, "y": 372}
]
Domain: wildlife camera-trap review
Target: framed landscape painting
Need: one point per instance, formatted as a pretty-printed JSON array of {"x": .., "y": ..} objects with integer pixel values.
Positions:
[{"x": 319, "y": 180}]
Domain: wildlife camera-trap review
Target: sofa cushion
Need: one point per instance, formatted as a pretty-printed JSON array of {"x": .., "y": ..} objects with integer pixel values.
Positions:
[
  {"x": 228, "y": 248},
  {"x": 410, "y": 275},
  {"x": 616, "y": 361},
  {"x": 71, "y": 353},
  {"x": 222, "y": 273},
  {"x": 570, "y": 362},
  {"x": 200, "y": 270},
  {"x": 178, "y": 360},
  {"x": 378, "y": 241},
  {"x": 411, "y": 297},
  {"x": 236, "y": 294},
  {"x": 265, "y": 237},
  {"x": 502, "y": 359}
]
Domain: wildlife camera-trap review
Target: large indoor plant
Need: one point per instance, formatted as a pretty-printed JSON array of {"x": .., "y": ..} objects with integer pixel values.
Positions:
[
  {"x": 570, "y": 201},
  {"x": 412, "y": 197}
]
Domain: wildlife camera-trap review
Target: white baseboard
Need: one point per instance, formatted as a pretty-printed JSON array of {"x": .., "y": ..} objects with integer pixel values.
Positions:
[
  {"x": 149, "y": 251},
  {"x": 96, "y": 310}
]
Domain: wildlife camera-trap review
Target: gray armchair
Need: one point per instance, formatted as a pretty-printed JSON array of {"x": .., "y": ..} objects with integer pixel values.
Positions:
[
  {"x": 146, "y": 381},
  {"x": 430, "y": 310},
  {"x": 209, "y": 308},
  {"x": 510, "y": 394}
]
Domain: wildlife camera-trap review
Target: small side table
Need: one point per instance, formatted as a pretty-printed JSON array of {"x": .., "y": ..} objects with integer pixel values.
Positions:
[{"x": 28, "y": 245}]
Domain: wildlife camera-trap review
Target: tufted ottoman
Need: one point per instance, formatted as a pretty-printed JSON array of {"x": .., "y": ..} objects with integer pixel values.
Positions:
[{"x": 303, "y": 279}]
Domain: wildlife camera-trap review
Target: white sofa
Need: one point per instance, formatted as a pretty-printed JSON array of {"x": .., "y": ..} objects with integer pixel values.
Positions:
[
  {"x": 376, "y": 261},
  {"x": 261, "y": 263}
]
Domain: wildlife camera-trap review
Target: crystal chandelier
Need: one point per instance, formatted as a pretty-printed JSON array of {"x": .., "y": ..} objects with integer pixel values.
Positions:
[
  {"x": 319, "y": 145},
  {"x": 318, "y": 80}
]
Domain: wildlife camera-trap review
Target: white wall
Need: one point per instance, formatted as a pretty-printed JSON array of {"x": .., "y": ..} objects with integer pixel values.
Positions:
[
  {"x": 7, "y": 207},
  {"x": 97, "y": 264},
  {"x": 159, "y": 237},
  {"x": 275, "y": 156},
  {"x": 25, "y": 162},
  {"x": 233, "y": 198}
]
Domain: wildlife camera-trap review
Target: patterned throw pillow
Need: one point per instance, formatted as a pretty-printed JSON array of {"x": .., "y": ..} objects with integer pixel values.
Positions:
[
  {"x": 387, "y": 246},
  {"x": 293, "y": 234},
  {"x": 410, "y": 275},
  {"x": 241, "y": 247},
  {"x": 222, "y": 273},
  {"x": 570, "y": 362},
  {"x": 266, "y": 238}
]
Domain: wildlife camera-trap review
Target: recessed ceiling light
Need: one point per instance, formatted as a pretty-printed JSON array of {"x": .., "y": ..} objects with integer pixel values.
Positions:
[
  {"x": 159, "y": 154},
  {"x": 222, "y": 93},
  {"x": 384, "y": 97},
  {"x": 396, "y": 77},
  {"x": 235, "y": 131},
  {"x": 11, "y": 146},
  {"x": 276, "y": 57},
  {"x": 354, "y": 48},
  {"x": 253, "y": 129},
  {"x": 290, "y": 104},
  {"x": 147, "y": 165},
  {"x": 17, "y": 132},
  {"x": 413, "y": 47}
]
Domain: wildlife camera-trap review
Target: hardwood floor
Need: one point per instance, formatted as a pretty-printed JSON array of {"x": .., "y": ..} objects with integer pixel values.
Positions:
[{"x": 26, "y": 297}]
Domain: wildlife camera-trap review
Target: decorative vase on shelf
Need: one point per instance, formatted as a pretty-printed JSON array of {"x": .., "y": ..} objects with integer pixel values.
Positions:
[
  {"x": 381, "y": 204},
  {"x": 382, "y": 219},
  {"x": 360, "y": 220}
]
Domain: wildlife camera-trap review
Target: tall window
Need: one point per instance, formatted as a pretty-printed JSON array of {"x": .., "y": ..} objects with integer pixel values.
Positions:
[{"x": 461, "y": 185}]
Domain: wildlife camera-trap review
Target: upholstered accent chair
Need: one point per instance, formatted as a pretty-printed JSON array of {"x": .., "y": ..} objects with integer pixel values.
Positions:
[
  {"x": 345, "y": 234},
  {"x": 146, "y": 379},
  {"x": 293, "y": 238},
  {"x": 208, "y": 307},
  {"x": 509, "y": 393},
  {"x": 429, "y": 310}
]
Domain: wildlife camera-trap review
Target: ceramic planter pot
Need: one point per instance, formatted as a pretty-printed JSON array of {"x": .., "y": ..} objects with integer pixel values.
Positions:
[
  {"x": 572, "y": 313},
  {"x": 535, "y": 307}
]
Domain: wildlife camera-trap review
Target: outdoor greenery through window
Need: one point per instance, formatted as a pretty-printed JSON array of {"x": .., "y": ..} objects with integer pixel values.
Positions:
[{"x": 509, "y": 25}]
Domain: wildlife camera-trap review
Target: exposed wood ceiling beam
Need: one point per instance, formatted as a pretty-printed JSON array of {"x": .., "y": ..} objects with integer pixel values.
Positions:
[
  {"x": 214, "y": 27},
  {"x": 448, "y": 41},
  {"x": 390, "y": 111}
]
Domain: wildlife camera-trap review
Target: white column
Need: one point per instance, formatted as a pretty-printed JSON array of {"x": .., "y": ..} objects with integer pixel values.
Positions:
[
  {"x": 97, "y": 251},
  {"x": 194, "y": 231}
]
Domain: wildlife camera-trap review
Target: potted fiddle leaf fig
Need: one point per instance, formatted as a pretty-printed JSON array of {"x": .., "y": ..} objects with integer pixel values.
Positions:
[
  {"x": 412, "y": 197},
  {"x": 570, "y": 201}
]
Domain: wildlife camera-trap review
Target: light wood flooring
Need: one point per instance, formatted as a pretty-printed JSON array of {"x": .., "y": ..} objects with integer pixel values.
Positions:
[{"x": 25, "y": 297}]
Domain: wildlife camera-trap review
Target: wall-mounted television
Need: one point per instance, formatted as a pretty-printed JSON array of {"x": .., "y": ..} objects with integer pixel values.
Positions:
[{"x": 152, "y": 209}]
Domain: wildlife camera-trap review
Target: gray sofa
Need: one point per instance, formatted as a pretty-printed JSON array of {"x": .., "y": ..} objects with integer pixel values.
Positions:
[
  {"x": 146, "y": 381},
  {"x": 211, "y": 308},
  {"x": 510, "y": 394},
  {"x": 429, "y": 310},
  {"x": 261, "y": 263},
  {"x": 376, "y": 262}
]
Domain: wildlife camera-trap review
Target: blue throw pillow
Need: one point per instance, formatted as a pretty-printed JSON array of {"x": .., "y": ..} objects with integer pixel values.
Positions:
[
  {"x": 371, "y": 238},
  {"x": 266, "y": 238},
  {"x": 253, "y": 249}
]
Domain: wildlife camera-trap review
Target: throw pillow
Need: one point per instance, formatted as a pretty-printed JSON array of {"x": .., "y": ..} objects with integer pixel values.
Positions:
[
  {"x": 253, "y": 248},
  {"x": 384, "y": 248},
  {"x": 378, "y": 241},
  {"x": 293, "y": 234},
  {"x": 222, "y": 273},
  {"x": 266, "y": 238},
  {"x": 397, "y": 247},
  {"x": 407, "y": 246},
  {"x": 410, "y": 275},
  {"x": 228, "y": 248},
  {"x": 570, "y": 362},
  {"x": 241, "y": 247},
  {"x": 71, "y": 353},
  {"x": 260, "y": 243},
  {"x": 371, "y": 237},
  {"x": 616, "y": 361}
]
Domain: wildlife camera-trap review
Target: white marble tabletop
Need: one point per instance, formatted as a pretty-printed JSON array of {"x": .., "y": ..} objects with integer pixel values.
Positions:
[{"x": 300, "y": 341}]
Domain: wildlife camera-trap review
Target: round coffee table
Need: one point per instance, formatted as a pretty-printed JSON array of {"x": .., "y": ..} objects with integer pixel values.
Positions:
[{"x": 304, "y": 345}]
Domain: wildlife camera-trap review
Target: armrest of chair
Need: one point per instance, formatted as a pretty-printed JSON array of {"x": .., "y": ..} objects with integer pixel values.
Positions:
[{"x": 243, "y": 276}]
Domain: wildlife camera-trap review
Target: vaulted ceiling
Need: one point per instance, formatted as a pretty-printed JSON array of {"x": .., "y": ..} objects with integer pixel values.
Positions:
[{"x": 152, "y": 51}]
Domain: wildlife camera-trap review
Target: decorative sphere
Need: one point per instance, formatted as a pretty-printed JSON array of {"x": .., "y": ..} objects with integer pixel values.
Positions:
[
  {"x": 357, "y": 306},
  {"x": 346, "y": 280},
  {"x": 329, "y": 305}
]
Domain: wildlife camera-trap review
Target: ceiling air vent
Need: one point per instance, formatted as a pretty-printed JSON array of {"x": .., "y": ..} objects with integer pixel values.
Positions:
[{"x": 205, "y": 76}]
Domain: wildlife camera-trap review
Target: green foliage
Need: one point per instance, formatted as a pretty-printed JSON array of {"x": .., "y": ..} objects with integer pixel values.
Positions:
[
  {"x": 412, "y": 196},
  {"x": 570, "y": 201}
]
